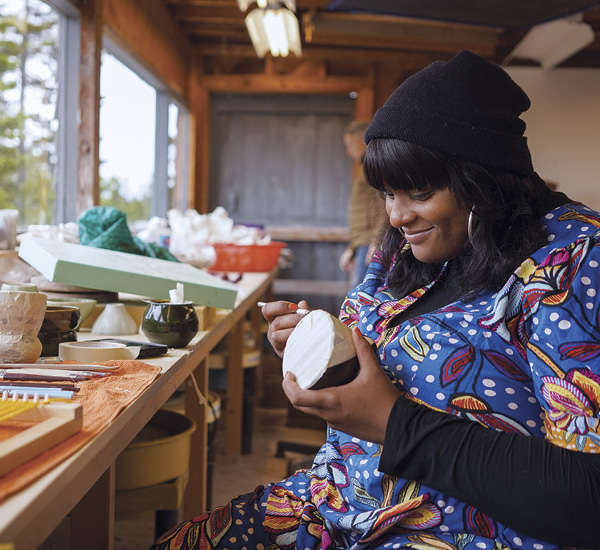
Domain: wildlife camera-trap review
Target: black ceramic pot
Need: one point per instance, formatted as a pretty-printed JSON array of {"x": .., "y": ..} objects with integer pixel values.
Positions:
[
  {"x": 50, "y": 340},
  {"x": 171, "y": 324},
  {"x": 59, "y": 325}
]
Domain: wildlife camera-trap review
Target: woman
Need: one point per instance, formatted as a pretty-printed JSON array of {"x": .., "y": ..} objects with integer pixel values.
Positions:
[{"x": 476, "y": 424}]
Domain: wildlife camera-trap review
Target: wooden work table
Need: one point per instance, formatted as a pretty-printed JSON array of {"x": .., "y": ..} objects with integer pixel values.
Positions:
[{"x": 84, "y": 484}]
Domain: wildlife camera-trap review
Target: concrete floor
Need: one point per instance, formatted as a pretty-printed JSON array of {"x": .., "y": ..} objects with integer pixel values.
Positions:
[{"x": 231, "y": 476}]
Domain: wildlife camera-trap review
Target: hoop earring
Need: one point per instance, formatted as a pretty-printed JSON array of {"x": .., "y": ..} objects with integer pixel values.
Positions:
[{"x": 470, "y": 227}]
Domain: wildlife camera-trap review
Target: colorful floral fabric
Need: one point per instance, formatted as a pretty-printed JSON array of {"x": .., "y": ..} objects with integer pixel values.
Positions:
[{"x": 524, "y": 360}]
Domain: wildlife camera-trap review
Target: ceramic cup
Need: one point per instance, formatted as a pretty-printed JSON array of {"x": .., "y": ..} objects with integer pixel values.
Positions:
[
  {"x": 18, "y": 287},
  {"x": 171, "y": 324},
  {"x": 21, "y": 316}
]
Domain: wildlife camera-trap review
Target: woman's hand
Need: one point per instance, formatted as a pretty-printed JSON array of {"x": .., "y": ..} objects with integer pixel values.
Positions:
[
  {"x": 360, "y": 408},
  {"x": 282, "y": 321}
]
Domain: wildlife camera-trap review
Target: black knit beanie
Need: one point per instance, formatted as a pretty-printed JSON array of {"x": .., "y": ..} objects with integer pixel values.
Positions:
[{"x": 466, "y": 107}]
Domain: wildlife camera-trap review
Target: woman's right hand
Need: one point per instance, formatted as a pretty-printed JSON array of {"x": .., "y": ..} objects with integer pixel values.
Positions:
[
  {"x": 360, "y": 408},
  {"x": 282, "y": 320}
]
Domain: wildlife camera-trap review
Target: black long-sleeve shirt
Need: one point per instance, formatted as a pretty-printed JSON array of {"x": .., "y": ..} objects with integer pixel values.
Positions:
[{"x": 524, "y": 482}]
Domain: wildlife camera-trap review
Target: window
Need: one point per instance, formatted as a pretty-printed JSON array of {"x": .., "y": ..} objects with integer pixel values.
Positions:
[
  {"x": 38, "y": 50},
  {"x": 127, "y": 134},
  {"x": 143, "y": 126},
  {"x": 143, "y": 140}
]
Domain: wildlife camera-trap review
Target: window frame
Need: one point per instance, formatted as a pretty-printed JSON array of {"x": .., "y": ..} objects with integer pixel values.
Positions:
[
  {"x": 67, "y": 110},
  {"x": 65, "y": 206},
  {"x": 182, "y": 198}
]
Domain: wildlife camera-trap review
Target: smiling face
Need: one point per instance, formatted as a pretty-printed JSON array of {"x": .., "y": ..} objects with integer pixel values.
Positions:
[{"x": 431, "y": 220}]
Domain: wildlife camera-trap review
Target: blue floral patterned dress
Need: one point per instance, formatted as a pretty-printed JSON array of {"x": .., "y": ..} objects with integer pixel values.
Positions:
[{"x": 522, "y": 360}]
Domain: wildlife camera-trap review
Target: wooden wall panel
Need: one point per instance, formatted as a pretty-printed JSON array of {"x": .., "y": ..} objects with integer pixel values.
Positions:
[
  {"x": 280, "y": 159},
  {"x": 147, "y": 31},
  {"x": 261, "y": 84}
]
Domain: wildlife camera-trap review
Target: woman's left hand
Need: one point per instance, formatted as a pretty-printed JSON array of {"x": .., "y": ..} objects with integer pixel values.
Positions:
[{"x": 360, "y": 408}]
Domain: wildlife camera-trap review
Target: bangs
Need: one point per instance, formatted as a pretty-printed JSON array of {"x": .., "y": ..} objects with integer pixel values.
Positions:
[{"x": 400, "y": 165}]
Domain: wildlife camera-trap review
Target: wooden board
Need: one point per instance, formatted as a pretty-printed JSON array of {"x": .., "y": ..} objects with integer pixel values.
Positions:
[
  {"x": 55, "y": 422},
  {"x": 115, "y": 271}
]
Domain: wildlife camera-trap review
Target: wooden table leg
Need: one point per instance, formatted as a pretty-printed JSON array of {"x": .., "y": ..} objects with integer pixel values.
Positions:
[
  {"x": 235, "y": 390},
  {"x": 195, "y": 494},
  {"x": 93, "y": 519}
]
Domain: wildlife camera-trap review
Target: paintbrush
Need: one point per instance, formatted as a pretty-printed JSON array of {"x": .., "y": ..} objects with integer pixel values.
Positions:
[
  {"x": 34, "y": 369},
  {"x": 41, "y": 377},
  {"x": 57, "y": 366}
]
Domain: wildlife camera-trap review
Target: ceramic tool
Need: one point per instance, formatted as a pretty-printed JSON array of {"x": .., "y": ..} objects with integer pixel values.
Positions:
[{"x": 299, "y": 311}]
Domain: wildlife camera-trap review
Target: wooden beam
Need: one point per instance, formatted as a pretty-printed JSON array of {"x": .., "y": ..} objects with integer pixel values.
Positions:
[
  {"x": 203, "y": 149},
  {"x": 358, "y": 56},
  {"x": 148, "y": 32},
  {"x": 221, "y": 31},
  {"x": 308, "y": 233},
  {"x": 312, "y": 4},
  {"x": 88, "y": 193},
  {"x": 191, "y": 11},
  {"x": 310, "y": 287},
  {"x": 200, "y": 111},
  {"x": 199, "y": 21},
  {"x": 364, "y": 105},
  {"x": 347, "y": 30},
  {"x": 381, "y": 25},
  {"x": 202, "y": 3},
  {"x": 260, "y": 83},
  {"x": 300, "y": 4},
  {"x": 408, "y": 46}
]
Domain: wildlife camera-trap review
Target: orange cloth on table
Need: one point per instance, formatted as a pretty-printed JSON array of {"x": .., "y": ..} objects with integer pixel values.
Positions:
[{"x": 102, "y": 400}]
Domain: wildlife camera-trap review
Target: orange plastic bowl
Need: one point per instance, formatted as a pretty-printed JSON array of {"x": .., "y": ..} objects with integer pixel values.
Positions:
[{"x": 245, "y": 258}]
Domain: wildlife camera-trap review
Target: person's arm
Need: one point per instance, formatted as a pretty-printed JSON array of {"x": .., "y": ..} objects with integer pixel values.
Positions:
[
  {"x": 523, "y": 482},
  {"x": 346, "y": 259}
]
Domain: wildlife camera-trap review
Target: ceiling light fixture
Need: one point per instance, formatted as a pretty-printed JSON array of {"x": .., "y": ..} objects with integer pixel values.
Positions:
[
  {"x": 551, "y": 43},
  {"x": 244, "y": 4},
  {"x": 289, "y": 4},
  {"x": 274, "y": 30}
]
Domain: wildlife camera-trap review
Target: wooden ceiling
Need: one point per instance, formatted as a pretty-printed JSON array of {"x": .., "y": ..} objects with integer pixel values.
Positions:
[{"x": 360, "y": 30}]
